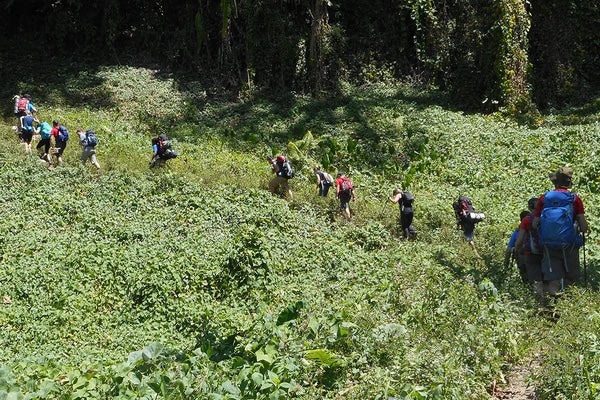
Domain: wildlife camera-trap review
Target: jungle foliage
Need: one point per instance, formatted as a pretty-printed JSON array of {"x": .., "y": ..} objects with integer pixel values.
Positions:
[
  {"x": 193, "y": 282},
  {"x": 487, "y": 54}
]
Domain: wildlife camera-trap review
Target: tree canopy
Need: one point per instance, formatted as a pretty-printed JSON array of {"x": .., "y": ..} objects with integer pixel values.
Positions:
[{"x": 487, "y": 54}]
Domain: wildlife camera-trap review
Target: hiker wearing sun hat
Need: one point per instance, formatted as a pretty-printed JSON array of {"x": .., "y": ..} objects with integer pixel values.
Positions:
[{"x": 559, "y": 218}]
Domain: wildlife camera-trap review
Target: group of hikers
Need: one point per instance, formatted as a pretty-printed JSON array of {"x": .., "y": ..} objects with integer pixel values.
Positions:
[
  {"x": 29, "y": 125},
  {"x": 344, "y": 191},
  {"x": 546, "y": 244}
]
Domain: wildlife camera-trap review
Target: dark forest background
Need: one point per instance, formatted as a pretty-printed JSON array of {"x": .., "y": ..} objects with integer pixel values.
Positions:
[{"x": 509, "y": 54}]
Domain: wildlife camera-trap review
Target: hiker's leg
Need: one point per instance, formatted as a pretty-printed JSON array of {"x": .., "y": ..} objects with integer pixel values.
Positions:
[
  {"x": 285, "y": 188},
  {"x": 533, "y": 267},
  {"x": 407, "y": 228},
  {"x": 572, "y": 265},
  {"x": 551, "y": 288},
  {"x": 273, "y": 185},
  {"x": 93, "y": 159}
]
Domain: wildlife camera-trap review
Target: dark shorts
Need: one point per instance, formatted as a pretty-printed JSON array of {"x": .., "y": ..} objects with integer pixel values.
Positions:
[
  {"x": 468, "y": 228},
  {"x": 559, "y": 264},
  {"x": 26, "y": 135},
  {"x": 60, "y": 145},
  {"x": 345, "y": 201},
  {"x": 533, "y": 266},
  {"x": 324, "y": 188}
]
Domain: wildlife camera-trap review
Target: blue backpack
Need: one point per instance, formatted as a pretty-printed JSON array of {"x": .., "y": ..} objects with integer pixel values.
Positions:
[
  {"x": 556, "y": 229},
  {"x": 63, "y": 134},
  {"x": 90, "y": 138},
  {"x": 45, "y": 130}
]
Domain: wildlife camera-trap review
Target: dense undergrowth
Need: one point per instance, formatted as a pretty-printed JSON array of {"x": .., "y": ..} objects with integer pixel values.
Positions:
[{"x": 192, "y": 281}]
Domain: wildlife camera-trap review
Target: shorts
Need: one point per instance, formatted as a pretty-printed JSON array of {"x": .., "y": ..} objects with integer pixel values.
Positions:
[
  {"x": 468, "y": 229},
  {"x": 88, "y": 152},
  {"x": 559, "y": 264},
  {"x": 60, "y": 146},
  {"x": 345, "y": 201},
  {"x": 533, "y": 267},
  {"x": 26, "y": 135},
  {"x": 279, "y": 182}
]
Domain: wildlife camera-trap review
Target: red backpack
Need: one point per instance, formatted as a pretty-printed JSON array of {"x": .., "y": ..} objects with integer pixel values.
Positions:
[
  {"x": 346, "y": 185},
  {"x": 22, "y": 104}
]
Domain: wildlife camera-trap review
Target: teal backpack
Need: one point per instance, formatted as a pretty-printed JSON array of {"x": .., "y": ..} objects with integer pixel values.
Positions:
[{"x": 45, "y": 130}]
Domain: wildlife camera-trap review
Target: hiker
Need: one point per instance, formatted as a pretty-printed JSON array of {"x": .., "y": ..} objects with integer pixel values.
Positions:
[
  {"x": 44, "y": 130},
  {"x": 324, "y": 181},
  {"x": 22, "y": 106},
  {"x": 405, "y": 201},
  {"x": 162, "y": 150},
  {"x": 60, "y": 135},
  {"x": 345, "y": 192},
  {"x": 27, "y": 130},
  {"x": 528, "y": 245},
  {"x": 466, "y": 218},
  {"x": 88, "y": 142},
  {"x": 282, "y": 168},
  {"x": 559, "y": 218},
  {"x": 516, "y": 253}
]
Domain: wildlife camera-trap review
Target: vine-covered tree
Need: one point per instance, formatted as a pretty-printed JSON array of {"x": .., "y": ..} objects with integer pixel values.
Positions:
[{"x": 488, "y": 54}]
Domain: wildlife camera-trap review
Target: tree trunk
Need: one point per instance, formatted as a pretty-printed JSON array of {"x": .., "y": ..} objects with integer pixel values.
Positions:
[{"x": 315, "y": 57}]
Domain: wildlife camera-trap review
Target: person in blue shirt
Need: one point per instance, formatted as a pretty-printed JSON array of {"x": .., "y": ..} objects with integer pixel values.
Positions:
[
  {"x": 511, "y": 251},
  {"x": 23, "y": 105},
  {"x": 27, "y": 130}
]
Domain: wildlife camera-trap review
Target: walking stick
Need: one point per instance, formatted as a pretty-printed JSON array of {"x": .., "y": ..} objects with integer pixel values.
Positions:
[
  {"x": 383, "y": 208},
  {"x": 584, "y": 262}
]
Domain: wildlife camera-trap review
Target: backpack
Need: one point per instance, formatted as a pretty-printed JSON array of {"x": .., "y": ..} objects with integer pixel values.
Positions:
[
  {"x": 45, "y": 130},
  {"x": 63, "y": 134},
  {"x": 534, "y": 240},
  {"x": 324, "y": 176},
  {"x": 286, "y": 169},
  {"x": 346, "y": 186},
  {"x": 90, "y": 138},
  {"x": 169, "y": 153},
  {"x": 22, "y": 104},
  {"x": 407, "y": 199},
  {"x": 465, "y": 212},
  {"x": 164, "y": 145},
  {"x": 556, "y": 229}
]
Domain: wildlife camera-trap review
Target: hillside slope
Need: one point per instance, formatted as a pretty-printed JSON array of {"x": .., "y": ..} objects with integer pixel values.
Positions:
[{"x": 192, "y": 281}]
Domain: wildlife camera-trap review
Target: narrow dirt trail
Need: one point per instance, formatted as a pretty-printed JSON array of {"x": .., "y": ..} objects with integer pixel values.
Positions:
[{"x": 518, "y": 387}]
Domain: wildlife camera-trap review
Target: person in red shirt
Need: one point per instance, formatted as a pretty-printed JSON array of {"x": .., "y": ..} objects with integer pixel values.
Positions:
[
  {"x": 560, "y": 267},
  {"x": 59, "y": 144},
  {"x": 345, "y": 192}
]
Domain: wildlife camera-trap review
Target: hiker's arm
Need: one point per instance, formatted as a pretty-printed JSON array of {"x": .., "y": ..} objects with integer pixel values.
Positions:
[
  {"x": 536, "y": 221},
  {"x": 583, "y": 225},
  {"x": 519, "y": 241},
  {"x": 507, "y": 255},
  {"x": 353, "y": 195},
  {"x": 396, "y": 198}
]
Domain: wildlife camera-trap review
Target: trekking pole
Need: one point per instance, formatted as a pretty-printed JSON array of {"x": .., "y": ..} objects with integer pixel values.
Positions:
[
  {"x": 383, "y": 208},
  {"x": 584, "y": 262}
]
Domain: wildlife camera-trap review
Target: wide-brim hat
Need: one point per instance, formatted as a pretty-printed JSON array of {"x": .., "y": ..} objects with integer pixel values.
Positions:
[{"x": 563, "y": 177}]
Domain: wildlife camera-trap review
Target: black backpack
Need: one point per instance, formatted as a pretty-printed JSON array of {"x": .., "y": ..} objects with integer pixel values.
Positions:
[
  {"x": 286, "y": 169},
  {"x": 407, "y": 199},
  {"x": 465, "y": 212}
]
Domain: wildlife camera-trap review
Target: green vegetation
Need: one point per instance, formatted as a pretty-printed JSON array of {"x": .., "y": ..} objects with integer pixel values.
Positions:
[{"x": 192, "y": 281}]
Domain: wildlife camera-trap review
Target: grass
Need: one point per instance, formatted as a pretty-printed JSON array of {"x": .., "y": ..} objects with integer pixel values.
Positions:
[{"x": 250, "y": 296}]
